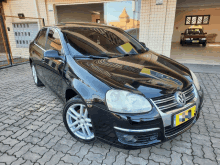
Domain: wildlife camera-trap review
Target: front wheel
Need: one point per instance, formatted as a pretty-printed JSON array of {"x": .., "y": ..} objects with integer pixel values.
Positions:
[
  {"x": 182, "y": 42},
  {"x": 35, "y": 77},
  {"x": 204, "y": 44},
  {"x": 77, "y": 120}
]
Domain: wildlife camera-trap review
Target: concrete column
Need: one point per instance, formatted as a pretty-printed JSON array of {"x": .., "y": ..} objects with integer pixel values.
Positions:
[{"x": 156, "y": 25}]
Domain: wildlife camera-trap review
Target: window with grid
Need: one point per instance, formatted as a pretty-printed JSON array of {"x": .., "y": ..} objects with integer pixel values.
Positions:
[{"x": 197, "y": 20}]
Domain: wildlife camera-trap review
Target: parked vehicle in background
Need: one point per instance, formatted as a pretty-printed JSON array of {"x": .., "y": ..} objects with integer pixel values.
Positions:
[
  {"x": 114, "y": 88},
  {"x": 193, "y": 35}
]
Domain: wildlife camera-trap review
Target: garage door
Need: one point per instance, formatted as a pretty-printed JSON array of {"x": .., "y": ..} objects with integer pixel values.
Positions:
[
  {"x": 24, "y": 33},
  {"x": 80, "y": 13}
]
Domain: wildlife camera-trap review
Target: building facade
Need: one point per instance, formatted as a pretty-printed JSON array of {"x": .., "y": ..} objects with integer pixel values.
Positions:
[{"x": 125, "y": 22}]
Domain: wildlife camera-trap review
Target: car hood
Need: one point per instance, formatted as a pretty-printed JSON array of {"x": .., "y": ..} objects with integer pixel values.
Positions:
[
  {"x": 148, "y": 73},
  {"x": 195, "y": 36}
]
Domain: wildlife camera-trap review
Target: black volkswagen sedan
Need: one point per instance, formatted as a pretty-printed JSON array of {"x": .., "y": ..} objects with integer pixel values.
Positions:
[{"x": 114, "y": 88}]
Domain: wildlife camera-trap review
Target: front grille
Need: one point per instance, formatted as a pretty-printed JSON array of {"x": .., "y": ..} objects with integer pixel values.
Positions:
[
  {"x": 168, "y": 102},
  {"x": 145, "y": 139},
  {"x": 170, "y": 131}
]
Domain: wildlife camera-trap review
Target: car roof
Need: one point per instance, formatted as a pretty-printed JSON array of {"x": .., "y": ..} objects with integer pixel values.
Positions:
[{"x": 64, "y": 25}]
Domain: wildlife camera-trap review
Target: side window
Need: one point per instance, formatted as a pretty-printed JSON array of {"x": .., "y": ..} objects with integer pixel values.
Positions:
[
  {"x": 41, "y": 39},
  {"x": 53, "y": 41}
]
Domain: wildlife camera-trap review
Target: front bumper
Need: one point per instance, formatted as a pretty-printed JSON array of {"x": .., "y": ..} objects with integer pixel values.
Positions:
[
  {"x": 148, "y": 129},
  {"x": 194, "y": 41}
]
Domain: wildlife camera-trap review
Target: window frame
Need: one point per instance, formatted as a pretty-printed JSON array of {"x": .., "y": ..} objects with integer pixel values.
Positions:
[
  {"x": 197, "y": 19},
  {"x": 37, "y": 38},
  {"x": 62, "y": 49},
  {"x": 98, "y": 21}
]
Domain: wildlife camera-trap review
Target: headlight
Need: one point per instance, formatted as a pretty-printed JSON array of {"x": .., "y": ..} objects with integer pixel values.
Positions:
[
  {"x": 195, "y": 80},
  {"x": 203, "y": 38},
  {"x": 187, "y": 38},
  {"x": 126, "y": 102}
]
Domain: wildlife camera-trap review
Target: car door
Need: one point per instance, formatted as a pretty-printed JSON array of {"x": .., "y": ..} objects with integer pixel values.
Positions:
[
  {"x": 37, "y": 52},
  {"x": 53, "y": 71}
]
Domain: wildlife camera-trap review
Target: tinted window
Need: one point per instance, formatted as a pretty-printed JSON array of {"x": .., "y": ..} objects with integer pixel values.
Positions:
[
  {"x": 53, "y": 41},
  {"x": 101, "y": 41},
  {"x": 41, "y": 39},
  {"x": 194, "y": 31}
]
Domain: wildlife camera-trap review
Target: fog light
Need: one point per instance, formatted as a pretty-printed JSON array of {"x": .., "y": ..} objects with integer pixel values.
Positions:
[
  {"x": 130, "y": 138},
  {"x": 154, "y": 137}
]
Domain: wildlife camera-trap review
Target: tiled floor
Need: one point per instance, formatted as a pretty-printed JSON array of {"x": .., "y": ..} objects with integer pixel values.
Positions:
[
  {"x": 32, "y": 131},
  {"x": 196, "y": 54}
]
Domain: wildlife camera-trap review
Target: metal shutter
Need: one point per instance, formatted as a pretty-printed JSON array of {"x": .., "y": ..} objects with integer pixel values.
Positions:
[{"x": 24, "y": 33}]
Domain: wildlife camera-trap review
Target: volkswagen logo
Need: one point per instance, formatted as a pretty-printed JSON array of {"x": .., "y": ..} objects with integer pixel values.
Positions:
[{"x": 180, "y": 98}]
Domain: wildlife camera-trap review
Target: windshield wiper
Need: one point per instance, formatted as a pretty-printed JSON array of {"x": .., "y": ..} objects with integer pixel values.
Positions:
[
  {"x": 93, "y": 57},
  {"x": 103, "y": 56},
  {"x": 128, "y": 55}
]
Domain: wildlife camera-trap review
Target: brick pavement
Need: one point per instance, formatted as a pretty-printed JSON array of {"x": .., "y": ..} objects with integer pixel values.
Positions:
[{"x": 32, "y": 131}]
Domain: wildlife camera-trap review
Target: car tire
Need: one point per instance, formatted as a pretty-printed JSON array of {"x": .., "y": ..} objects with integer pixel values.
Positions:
[
  {"x": 77, "y": 120},
  {"x": 35, "y": 77},
  {"x": 197, "y": 117},
  {"x": 181, "y": 42},
  {"x": 204, "y": 44}
]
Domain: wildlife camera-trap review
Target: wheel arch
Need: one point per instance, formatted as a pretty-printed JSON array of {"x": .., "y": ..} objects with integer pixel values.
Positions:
[
  {"x": 30, "y": 61},
  {"x": 70, "y": 93},
  {"x": 87, "y": 93}
]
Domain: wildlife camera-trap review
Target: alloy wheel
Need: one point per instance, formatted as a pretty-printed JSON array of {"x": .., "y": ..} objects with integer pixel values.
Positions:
[{"x": 79, "y": 122}]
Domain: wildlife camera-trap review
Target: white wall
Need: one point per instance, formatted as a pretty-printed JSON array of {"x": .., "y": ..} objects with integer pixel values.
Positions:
[{"x": 156, "y": 25}]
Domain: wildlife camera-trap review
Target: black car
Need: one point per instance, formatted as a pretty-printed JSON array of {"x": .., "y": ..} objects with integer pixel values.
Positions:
[
  {"x": 114, "y": 88},
  {"x": 193, "y": 35}
]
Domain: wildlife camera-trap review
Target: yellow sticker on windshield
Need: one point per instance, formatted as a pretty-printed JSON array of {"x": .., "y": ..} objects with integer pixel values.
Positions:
[
  {"x": 146, "y": 71},
  {"x": 127, "y": 47}
]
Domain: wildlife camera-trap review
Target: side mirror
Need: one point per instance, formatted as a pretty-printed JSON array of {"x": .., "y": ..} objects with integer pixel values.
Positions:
[
  {"x": 143, "y": 44},
  {"x": 182, "y": 33},
  {"x": 52, "y": 54}
]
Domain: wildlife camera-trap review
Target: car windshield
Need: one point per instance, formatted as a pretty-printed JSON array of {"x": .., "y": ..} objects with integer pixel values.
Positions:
[
  {"x": 101, "y": 41},
  {"x": 194, "y": 31}
]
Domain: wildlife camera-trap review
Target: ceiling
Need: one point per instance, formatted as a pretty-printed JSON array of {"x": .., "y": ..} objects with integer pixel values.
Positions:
[{"x": 197, "y": 3}]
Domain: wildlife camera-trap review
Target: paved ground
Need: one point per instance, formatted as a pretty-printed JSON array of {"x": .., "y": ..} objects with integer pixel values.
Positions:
[
  {"x": 16, "y": 59},
  {"x": 202, "y": 68},
  {"x": 196, "y": 54},
  {"x": 32, "y": 132}
]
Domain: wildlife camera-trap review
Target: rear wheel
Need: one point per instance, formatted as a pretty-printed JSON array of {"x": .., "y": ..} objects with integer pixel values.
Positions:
[
  {"x": 35, "y": 77},
  {"x": 77, "y": 120}
]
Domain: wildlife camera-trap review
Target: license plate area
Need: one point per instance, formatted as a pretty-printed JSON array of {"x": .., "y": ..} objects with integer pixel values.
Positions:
[
  {"x": 184, "y": 116},
  {"x": 195, "y": 41}
]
